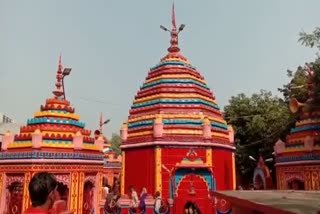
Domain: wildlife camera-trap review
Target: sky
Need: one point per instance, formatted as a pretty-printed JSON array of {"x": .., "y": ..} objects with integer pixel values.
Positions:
[{"x": 238, "y": 46}]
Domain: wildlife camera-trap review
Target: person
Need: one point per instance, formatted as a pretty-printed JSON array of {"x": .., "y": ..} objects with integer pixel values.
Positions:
[
  {"x": 106, "y": 190},
  {"x": 158, "y": 202},
  {"x": 42, "y": 191},
  {"x": 143, "y": 196},
  {"x": 134, "y": 198}
]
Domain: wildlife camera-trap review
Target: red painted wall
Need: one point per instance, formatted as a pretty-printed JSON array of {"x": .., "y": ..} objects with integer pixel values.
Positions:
[
  {"x": 140, "y": 169},
  {"x": 172, "y": 156},
  {"x": 222, "y": 169}
]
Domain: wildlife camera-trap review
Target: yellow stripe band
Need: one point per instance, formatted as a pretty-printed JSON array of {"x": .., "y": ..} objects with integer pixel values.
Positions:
[{"x": 56, "y": 114}]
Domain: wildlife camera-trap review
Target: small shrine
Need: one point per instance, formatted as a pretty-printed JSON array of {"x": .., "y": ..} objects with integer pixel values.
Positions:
[
  {"x": 298, "y": 159},
  {"x": 56, "y": 141},
  {"x": 175, "y": 140}
]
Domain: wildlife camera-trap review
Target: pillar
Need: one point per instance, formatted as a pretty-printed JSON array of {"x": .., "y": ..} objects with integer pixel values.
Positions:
[
  {"x": 158, "y": 178},
  {"x": 26, "y": 197},
  {"x": 80, "y": 192},
  {"x": 122, "y": 184},
  {"x": 100, "y": 190},
  {"x": 234, "y": 179},
  {"x": 2, "y": 191},
  {"x": 209, "y": 157},
  {"x": 75, "y": 197}
]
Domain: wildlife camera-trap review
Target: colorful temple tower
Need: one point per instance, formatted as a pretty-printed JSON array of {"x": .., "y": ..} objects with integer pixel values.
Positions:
[
  {"x": 298, "y": 160},
  {"x": 175, "y": 139},
  {"x": 54, "y": 141}
]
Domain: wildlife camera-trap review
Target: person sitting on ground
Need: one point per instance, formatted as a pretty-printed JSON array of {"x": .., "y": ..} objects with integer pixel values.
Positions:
[{"x": 42, "y": 191}]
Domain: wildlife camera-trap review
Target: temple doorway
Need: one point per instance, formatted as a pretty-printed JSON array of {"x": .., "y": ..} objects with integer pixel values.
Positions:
[
  {"x": 193, "y": 185},
  {"x": 88, "y": 195},
  {"x": 296, "y": 184},
  {"x": 191, "y": 208},
  {"x": 15, "y": 198}
]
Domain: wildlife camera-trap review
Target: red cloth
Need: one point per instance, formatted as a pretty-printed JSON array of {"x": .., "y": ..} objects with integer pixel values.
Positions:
[{"x": 32, "y": 210}]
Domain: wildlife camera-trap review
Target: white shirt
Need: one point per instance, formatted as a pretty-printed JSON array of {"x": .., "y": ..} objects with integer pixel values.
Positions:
[{"x": 157, "y": 204}]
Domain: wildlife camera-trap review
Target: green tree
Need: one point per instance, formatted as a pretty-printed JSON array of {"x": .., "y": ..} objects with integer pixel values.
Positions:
[
  {"x": 259, "y": 121},
  {"x": 115, "y": 143},
  {"x": 297, "y": 85},
  {"x": 311, "y": 39}
]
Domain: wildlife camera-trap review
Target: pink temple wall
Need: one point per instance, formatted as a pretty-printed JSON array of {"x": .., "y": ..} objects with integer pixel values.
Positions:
[
  {"x": 140, "y": 169},
  {"x": 223, "y": 171}
]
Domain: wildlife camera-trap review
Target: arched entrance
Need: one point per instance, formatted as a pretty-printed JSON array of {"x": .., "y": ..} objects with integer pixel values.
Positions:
[
  {"x": 193, "y": 185},
  {"x": 296, "y": 184},
  {"x": 15, "y": 198},
  {"x": 88, "y": 196},
  {"x": 295, "y": 181},
  {"x": 259, "y": 180}
]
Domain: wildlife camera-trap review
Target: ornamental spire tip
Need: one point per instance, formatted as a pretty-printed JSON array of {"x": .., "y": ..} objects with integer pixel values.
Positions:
[
  {"x": 58, "y": 92},
  {"x": 174, "y": 32}
]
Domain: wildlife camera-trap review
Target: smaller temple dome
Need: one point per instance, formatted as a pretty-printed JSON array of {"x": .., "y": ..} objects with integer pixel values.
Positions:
[
  {"x": 303, "y": 142},
  {"x": 55, "y": 129}
]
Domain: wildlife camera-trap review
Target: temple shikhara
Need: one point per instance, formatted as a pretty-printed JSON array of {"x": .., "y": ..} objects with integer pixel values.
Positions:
[
  {"x": 175, "y": 140},
  {"x": 177, "y": 153}
]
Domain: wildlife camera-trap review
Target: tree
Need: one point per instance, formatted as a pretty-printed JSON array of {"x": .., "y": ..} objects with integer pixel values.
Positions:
[
  {"x": 259, "y": 121},
  {"x": 310, "y": 39},
  {"x": 115, "y": 143},
  {"x": 297, "y": 86}
]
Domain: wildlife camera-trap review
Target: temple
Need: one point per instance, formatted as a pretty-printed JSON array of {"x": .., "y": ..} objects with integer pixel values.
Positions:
[
  {"x": 54, "y": 140},
  {"x": 175, "y": 140},
  {"x": 298, "y": 159}
]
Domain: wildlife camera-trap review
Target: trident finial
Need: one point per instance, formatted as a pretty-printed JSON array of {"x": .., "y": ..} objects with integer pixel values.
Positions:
[
  {"x": 59, "y": 89},
  {"x": 174, "y": 32},
  {"x": 61, "y": 73}
]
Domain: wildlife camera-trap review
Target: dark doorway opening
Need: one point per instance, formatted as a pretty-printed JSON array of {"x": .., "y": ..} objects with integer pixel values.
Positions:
[{"x": 191, "y": 208}]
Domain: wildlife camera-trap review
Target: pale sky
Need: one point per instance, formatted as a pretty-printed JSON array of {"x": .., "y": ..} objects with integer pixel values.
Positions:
[{"x": 238, "y": 45}]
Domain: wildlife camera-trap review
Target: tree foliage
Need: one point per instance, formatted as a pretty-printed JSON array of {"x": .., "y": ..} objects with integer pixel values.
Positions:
[
  {"x": 297, "y": 85},
  {"x": 311, "y": 39},
  {"x": 115, "y": 143},
  {"x": 259, "y": 121}
]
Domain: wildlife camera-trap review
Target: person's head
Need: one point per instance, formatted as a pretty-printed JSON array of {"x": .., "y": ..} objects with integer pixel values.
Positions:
[
  {"x": 157, "y": 194},
  {"x": 42, "y": 190},
  {"x": 144, "y": 190}
]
